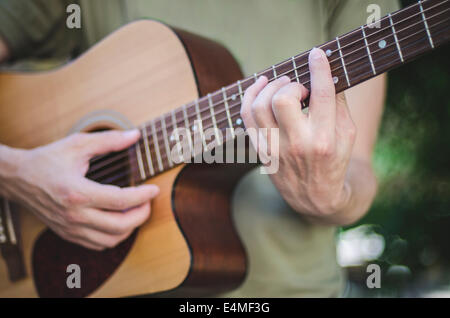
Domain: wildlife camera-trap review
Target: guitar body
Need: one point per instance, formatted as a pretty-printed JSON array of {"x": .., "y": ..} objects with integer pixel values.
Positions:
[{"x": 189, "y": 246}]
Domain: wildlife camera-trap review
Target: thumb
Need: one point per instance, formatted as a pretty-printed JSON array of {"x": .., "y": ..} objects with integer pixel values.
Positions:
[{"x": 110, "y": 141}]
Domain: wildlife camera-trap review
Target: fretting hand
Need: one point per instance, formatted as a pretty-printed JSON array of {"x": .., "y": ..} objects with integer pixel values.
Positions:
[{"x": 314, "y": 148}]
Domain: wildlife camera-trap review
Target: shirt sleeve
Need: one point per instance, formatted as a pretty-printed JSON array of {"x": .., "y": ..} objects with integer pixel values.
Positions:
[
  {"x": 342, "y": 16},
  {"x": 37, "y": 28}
]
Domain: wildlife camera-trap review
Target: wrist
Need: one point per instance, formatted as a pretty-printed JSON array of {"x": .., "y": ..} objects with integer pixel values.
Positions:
[
  {"x": 335, "y": 213},
  {"x": 10, "y": 162},
  {"x": 345, "y": 196}
]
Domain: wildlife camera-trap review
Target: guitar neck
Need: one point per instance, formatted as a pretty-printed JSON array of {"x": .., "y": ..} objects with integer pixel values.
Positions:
[{"x": 354, "y": 57}]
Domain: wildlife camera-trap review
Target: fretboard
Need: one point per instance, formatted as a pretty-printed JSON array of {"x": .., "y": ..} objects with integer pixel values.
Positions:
[{"x": 354, "y": 57}]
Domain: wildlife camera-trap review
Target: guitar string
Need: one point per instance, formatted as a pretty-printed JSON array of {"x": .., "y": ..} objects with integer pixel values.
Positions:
[
  {"x": 207, "y": 109},
  {"x": 115, "y": 177},
  {"x": 203, "y": 98},
  {"x": 96, "y": 167}
]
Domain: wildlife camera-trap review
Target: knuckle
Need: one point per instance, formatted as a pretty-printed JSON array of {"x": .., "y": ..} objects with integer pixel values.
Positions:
[
  {"x": 245, "y": 114},
  {"x": 323, "y": 148},
  {"x": 74, "y": 218},
  {"x": 76, "y": 139},
  {"x": 281, "y": 99},
  {"x": 121, "y": 228},
  {"x": 296, "y": 150},
  {"x": 70, "y": 198},
  {"x": 257, "y": 106},
  {"x": 352, "y": 131},
  {"x": 113, "y": 241},
  {"x": 324, "y": 93},
  {"x": 120, "y": 204}
]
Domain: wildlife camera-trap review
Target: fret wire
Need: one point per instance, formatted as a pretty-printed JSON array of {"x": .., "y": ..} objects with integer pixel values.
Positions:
[
  {"x": 186, "y": 123},
  {"x": 426, "y": 24},
  {"x": 343, "y": 62},
  {"x": 177, "y": 137},
  {"x": 368, "y": 51},
  {"x": 230, "y": 123},
  {"x": 294, "y": 64},
  {"x": 166, "y": 141},
  {"x": 274, "y": 72},
  {"x": 200, "y": 129},
  {"x": 240, "y": 89},
  {"x": 147, "y": 150},
  {"x": 156, "y": 144},
  {"x": 255, "y": 75},
  {"x": 396, "y": 39},
  {"x": 213, "y": 117},
  {"x": 139, "y": 158}
]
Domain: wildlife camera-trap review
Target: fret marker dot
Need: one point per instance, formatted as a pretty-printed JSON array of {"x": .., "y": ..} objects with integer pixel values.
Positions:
[
  {"x": 233, "y": 97},
  {"x": 238, "y": 121},
  {"x": 382, "y": 44},
  {"x": 328, "y": 52},
  {"x": 172, "y": 138},
  {"x": 335, "y": 79},
  {"x": 194, "y": 128}
]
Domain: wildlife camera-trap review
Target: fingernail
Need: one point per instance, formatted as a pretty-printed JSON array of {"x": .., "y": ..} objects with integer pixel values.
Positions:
[
  {"x": 154, "y": 188},
  {"x": 131, "y": 133},
  {"x": 262, "y": 78},
  {"x": 285, "y": 78},
  {"x": 316, "y": 54}
]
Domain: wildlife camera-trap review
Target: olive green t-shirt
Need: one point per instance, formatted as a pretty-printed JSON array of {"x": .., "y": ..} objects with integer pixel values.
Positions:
[{"x": 288, "y": 257}]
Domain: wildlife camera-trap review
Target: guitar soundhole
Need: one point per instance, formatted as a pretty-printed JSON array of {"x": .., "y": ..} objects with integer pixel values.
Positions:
[{"x": 52, "y": 256}]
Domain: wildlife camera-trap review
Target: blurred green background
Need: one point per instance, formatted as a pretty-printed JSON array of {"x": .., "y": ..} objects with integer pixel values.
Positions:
[{"x": 407, "y": 231}]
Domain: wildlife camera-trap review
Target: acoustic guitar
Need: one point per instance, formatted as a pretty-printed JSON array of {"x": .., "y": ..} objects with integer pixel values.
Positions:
[{"x": 189, "y": 246}]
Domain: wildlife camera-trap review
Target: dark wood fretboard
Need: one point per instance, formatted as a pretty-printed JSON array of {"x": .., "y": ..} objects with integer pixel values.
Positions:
[{"x": 354, "y": 57}]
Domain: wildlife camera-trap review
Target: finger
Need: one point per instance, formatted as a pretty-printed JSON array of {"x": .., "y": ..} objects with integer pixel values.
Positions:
[
  {"x": 249, "y": 97},
  {"x": 118, "y": 199},
  {"x": 112, "y": 222},
  {"x": 287, "y": 107},
  {"x": 103, "y": 240},
  {"x": 246, "y": 108},
  {"x": 262, "y": 105},
  {"x": 322, "y": 107},
  {"x": 77, "y": 239},
  {"x": 109, "y": 141}
]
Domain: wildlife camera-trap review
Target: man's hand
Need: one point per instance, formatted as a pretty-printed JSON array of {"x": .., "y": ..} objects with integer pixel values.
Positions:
[
  {"x": 315, "y": 148},
  {"x": 50, "y": 180}
]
